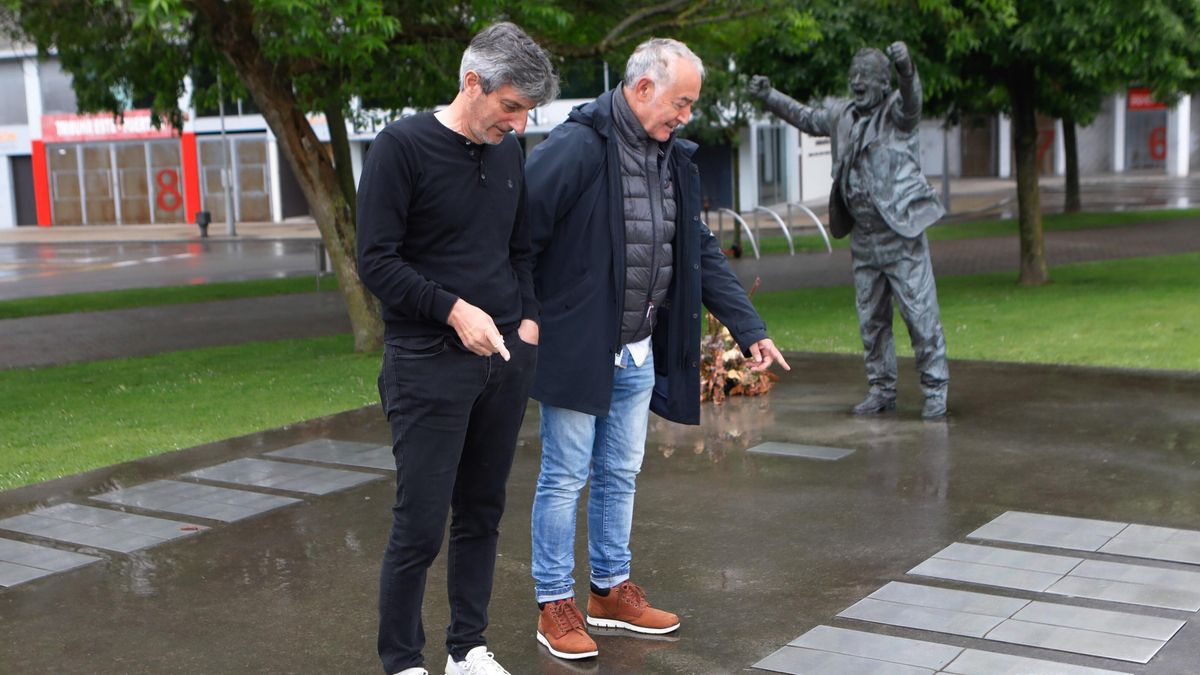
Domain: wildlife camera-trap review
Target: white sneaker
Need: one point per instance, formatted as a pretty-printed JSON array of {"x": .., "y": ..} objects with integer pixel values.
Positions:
[
  {"x": 413, "y": 671},
  {"x": 479, "y": 661}
]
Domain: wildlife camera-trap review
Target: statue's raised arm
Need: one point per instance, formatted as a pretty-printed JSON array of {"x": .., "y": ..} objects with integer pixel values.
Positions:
[
  {"x": 907, "y": 114},
  {"x": 812, "y": 121}
]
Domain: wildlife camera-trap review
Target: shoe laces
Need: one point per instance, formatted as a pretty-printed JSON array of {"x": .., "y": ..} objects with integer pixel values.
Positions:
[
  {"x": 482, "y": 663},
  {"x": 633, "y": 594},
  {"x": 566, "y": 615}
]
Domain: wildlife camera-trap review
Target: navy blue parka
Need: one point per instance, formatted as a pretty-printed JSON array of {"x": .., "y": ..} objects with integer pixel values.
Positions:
[{"x": 578, "y": 229}]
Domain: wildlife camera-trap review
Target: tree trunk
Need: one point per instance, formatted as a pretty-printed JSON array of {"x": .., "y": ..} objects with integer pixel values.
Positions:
[
  {"x": 1033, "y": 258},
  {"x": 342, "y": 164},
  {"x": 232, "y": 34},
  {"x": 1072, "y": 204}
]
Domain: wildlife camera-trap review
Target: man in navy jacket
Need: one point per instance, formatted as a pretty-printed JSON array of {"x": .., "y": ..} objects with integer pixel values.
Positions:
[{"x": 623, "y": 264}]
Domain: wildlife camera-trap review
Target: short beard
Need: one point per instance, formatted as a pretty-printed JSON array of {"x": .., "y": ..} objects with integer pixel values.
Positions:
[{"x": 485, "y": 138}]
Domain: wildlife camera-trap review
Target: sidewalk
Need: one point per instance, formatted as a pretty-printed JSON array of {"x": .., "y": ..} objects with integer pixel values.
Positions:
[
  {"x": 298, "y": 228},
  {"x": 970, "y": 198}
]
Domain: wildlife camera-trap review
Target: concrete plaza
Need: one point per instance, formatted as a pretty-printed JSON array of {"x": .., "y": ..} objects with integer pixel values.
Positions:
[{"x": 752, "y": 550}]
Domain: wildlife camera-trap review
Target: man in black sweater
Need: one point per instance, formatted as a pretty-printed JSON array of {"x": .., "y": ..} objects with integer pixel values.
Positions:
[{"x": 443, "y": 242}]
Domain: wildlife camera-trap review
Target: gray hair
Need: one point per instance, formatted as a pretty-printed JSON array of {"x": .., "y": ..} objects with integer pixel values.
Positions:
[
  {"x": 503, "y": 54},
  {"x": 654, "y": 58}
]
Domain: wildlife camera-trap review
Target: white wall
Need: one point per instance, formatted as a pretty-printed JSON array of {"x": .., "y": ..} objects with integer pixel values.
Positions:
[
  {"x": 791, "y": 157},
  {"x": 8, "y": 211},
  {"x": 930, "y": 135},
  {"x": 1194, "y": 161},
  {"x": 1094, "y": 143},
  {"x": 747, "y": 179},
  {"x": 1179, "y": 137},
  {"x": 816, "y": 166}
]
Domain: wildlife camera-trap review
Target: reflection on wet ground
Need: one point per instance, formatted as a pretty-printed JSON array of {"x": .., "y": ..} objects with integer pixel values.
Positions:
[
  {"x": 751, "y": 550},
  {"x": 1109, "y": 194},
  {"x": 33, "y": 270}
]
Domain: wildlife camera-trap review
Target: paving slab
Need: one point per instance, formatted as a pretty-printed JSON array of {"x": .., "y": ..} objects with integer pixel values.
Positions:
[
  {"x": 1048, "y": 530},
  {"x": 1081, "y": 630},
  {"x": 1065, "y": 575},
  {"x": 200, "y": 501},
  {"x": 1158, "y": 543},
  {"x": 348, "y": 453},
  {"x": 976, "y": 662},
  {"x": 21, "y": 562},
  {"x": 921, "y": 653},
  {"x": 283, "y": 476},
  {"x": 99, "y": 528},
  {"x": 799, "y": 661}
]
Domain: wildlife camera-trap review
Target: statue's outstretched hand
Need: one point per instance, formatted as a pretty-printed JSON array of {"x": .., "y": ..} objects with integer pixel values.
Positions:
[
  {"x": 760, "y": 86},
  {"x": 898, "y": 53}
]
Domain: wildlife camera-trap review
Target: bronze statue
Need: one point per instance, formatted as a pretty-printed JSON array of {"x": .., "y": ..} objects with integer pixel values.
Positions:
[{"x": 882, "y": 199}]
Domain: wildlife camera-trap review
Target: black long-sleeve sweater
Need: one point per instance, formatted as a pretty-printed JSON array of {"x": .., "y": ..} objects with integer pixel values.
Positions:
[{"x": 441, "y": 218}]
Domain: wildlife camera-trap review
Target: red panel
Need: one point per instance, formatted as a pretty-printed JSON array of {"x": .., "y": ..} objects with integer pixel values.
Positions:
[
  {"x": 1141, "y": 98},
  {"x": 191, "y": 176},
  {"x": 41, "y": 183},
  {"x": 101, "y": 127}
]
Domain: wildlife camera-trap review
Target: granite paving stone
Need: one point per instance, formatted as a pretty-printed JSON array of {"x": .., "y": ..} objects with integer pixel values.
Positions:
[
  {"x": 977, "y": 662},
  {"x": 349, "y": 453},
  {"x": 193, "y": 499},
  {"x": 879, "y": 647},
  {"x": 100, "y": 528},
  {"x": 284, "y": 476},
  {"x": 797, "y": 661},
  {"x": 1077, "y": 640},
  {"x": 21, "y": 562}
]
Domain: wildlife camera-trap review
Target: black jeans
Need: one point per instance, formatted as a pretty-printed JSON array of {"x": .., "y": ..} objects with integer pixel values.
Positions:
[{"x": 455, "y": 417}]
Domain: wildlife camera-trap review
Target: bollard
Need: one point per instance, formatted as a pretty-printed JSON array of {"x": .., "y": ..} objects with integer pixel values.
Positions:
[
  {"x": 322, "y": 262},
  {"x": 203, "y": 218}
]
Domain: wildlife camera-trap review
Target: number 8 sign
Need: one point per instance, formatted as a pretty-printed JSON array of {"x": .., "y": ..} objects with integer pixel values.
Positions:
[{"x": 168, "y": 198}]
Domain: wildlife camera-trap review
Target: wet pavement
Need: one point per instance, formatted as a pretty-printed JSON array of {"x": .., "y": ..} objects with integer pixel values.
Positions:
[
  {"x": 57, "y": 268},
  {"x": 69, "y": 338},
  {"x": 981, "y": 255},
  {"x": 752, "y": 550}
]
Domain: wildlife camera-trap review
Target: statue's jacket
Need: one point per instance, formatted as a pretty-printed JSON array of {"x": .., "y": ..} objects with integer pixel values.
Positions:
[{"x": 898, "y": 189}]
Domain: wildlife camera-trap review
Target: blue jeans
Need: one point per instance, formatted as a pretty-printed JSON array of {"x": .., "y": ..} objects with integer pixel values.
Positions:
[{"x": 612, "y": 448}]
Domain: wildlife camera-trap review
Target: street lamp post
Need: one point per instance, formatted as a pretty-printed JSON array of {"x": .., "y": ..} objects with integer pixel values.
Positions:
[{"x": 226, "y": 182}]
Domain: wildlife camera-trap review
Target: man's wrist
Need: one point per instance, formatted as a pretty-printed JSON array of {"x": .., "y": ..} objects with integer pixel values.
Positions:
[{"x": 443, "y": 305}]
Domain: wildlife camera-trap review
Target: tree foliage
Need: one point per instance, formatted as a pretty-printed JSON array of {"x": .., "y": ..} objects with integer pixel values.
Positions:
[
  {"x": 334, "y": 57},
  {"x": 1059, "y": 58}
]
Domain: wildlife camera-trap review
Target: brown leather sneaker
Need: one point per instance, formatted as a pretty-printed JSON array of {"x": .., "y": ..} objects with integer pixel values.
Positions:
[
  {"x": 626, "y": 607},
  {"x": 560, "y": 628}
]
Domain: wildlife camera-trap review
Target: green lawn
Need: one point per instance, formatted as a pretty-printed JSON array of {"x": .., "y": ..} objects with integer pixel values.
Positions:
[
  {"x": 67, "y": 419},
  {"x": 1056, "y": 222},
  {"x": 166, "y": 295},
  {"x": 56, "y": 421},
  {"x": 1137, "y": 313}
]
